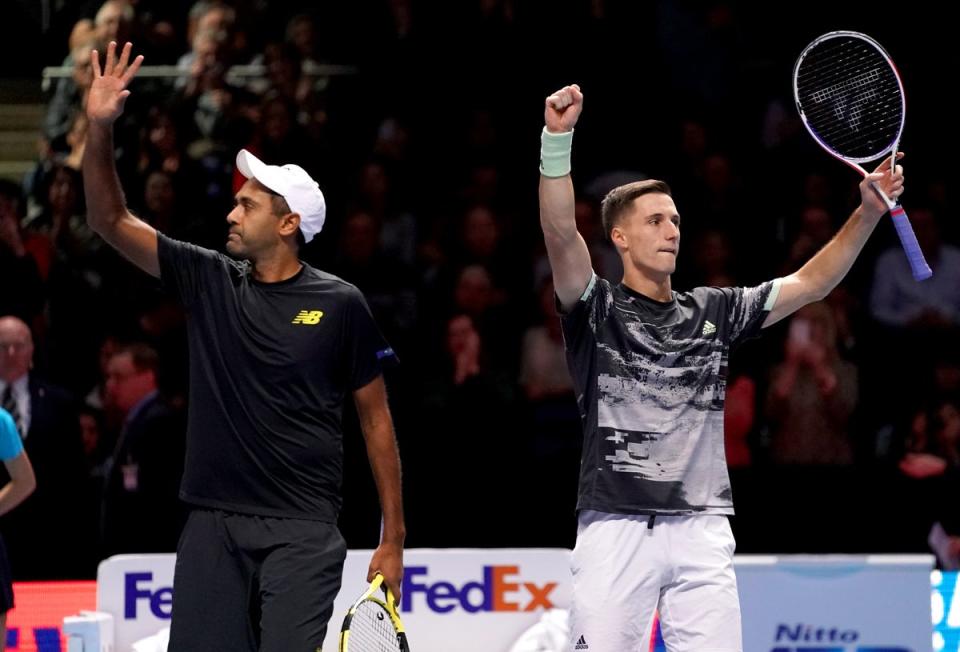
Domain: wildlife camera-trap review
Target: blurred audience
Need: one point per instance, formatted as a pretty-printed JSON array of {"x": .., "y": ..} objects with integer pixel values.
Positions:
[
  {"x": 812, "y": 394},
  {"x": 432, "y": 214}
]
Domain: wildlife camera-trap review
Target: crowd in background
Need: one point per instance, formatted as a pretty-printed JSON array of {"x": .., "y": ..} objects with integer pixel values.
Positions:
[{"x": 424, "y": 138}]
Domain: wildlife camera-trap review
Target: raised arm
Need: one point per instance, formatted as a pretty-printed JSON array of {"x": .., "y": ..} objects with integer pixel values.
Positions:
[
  {"x": 377, "y": 426},
  {"x": 107, "y": 212},
  {"x": 828, "y": 266},
  {"x": 566, "y": 249}
]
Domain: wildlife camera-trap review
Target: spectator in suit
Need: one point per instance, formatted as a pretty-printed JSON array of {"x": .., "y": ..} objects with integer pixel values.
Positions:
[
  {"x": 141, "y": 511},
  {"x": 46, "y": 420}
]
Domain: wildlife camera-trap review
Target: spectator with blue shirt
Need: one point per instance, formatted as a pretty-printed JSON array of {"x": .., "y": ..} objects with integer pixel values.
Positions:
[{"x": 21, "y": 484}]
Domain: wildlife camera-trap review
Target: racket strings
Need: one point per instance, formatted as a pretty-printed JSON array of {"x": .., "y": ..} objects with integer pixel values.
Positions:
[
  {"x": 850, "y": 97},
  {"x": 371, "y": 630}
]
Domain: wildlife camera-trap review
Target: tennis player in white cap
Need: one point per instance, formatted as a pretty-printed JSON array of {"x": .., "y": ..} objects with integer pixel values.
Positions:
[{"x": 275, "y": 348}]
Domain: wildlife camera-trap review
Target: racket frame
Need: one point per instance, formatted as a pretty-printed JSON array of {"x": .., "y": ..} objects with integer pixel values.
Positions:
[
  {"x": 918, "y": 265},
  {"x": 389, "y": 604}
]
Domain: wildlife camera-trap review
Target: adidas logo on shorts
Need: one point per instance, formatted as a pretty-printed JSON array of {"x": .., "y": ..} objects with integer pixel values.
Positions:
[
  {"x": 709, "y": 328},
  {"x": 581, "y": 643}
]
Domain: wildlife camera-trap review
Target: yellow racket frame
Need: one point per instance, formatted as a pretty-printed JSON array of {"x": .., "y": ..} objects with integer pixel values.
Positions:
[{"x": 389, "y": 605}]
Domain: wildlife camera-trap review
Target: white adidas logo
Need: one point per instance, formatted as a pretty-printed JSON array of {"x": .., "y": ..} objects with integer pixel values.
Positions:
[
  {"x": 709, "y": 328},
  {"x": 581, "y": 644}
]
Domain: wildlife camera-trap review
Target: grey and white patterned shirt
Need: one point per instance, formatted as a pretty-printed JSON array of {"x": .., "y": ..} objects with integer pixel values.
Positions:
[{"x": 651, "y": 379}]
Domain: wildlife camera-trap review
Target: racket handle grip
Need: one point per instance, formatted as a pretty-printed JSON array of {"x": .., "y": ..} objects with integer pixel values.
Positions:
[{"x": 918, "y": 264}]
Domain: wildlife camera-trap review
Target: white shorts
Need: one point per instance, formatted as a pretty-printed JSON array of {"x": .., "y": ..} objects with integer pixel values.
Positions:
[{"x": 623, "y": 571}]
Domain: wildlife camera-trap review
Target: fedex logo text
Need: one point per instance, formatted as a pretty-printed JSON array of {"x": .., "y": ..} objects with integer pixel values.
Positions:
[
  {"x": 498, "y": 591},
  {"x": 136, "y": 587}
]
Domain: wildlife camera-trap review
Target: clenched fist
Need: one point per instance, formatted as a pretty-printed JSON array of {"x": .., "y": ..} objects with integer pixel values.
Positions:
[{"x": 563, "y": 108}]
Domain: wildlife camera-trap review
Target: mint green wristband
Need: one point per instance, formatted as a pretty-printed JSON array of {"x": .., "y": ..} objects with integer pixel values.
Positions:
[{"x": 555, "y": 153}]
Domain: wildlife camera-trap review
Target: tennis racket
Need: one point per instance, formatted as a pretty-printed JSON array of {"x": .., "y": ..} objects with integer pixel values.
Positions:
[
  {"x": 372, "y": 624},
  {"x": 850, "y": 97}
]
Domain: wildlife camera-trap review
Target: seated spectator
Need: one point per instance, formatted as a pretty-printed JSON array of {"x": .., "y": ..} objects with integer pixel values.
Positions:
[
  {"x": 68, "y": 94},
  {"x": 209, "y": 105},
  {"x": 62, "y": 226},
  {"x": 928, "y": 459},
  {"x": 932, "y": 445},
  {"x": 25, "y": 297},
  {"x": 816, "y": 228},
  {"x": 812, "y": 394},
  {"x": 713, "y": 259},
  {"x": 466, "y": 425},
  {"x": 898, "y": 301},
  {"x": 549, "y": 437},
  {"x": 141, "y": 511},
  {"x": 209, "y": 24},
  {"x": 606, "y": 261},
  {"x": 739, "y": 417},
  {"x": 387, "y": 284},
  {"x": 76, "y": 140},
  {"x": 543, "y": 363},
  {"x": 379, "y": 196}
]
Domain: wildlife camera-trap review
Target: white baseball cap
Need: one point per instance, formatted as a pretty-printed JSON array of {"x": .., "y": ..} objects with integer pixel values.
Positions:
[{"x": 291, "y": 182}]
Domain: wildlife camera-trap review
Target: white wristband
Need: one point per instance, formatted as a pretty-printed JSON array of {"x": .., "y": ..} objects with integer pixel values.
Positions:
[{"x": 555, "y": 153}]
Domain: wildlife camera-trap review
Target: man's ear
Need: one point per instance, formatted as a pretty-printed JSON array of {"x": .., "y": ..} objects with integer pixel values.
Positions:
[
  {"x": 618, "y": 238},
  {"x": 289, "y": 224}
]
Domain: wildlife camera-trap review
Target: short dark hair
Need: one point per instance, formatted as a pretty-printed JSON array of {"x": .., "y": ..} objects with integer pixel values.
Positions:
[
  {"x": 43, "y": 187},
  {"x": 618, "y": 201},
  {"x": 278, "y": 204},
  {"x": 144, "y": 357}
]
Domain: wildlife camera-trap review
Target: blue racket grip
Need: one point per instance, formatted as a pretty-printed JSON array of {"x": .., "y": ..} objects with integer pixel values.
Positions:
[{"x": 918, "y": 264}]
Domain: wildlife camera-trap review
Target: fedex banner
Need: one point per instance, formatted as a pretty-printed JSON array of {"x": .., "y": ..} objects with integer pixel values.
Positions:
[
  {"x": 483, "y": 600},
  {"x": 467, "y": 600},
  {"x": 137, "y": 590}
]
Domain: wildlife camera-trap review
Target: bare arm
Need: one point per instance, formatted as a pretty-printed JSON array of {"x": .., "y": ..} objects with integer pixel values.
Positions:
[
  {"x": 107, "y": 212},
  {"x": 377, "y": 425},
  {"x": 22, "y": 482},
  {"x": 826, "y": 269},
  {"x": 566, "y": 249}
]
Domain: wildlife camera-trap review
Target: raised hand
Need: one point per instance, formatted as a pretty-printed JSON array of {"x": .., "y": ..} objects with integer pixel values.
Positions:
[
  {"x": 563, "y": 108},
  {"x": 888, "y": 180},
  {"x": 108, "y": 92}
]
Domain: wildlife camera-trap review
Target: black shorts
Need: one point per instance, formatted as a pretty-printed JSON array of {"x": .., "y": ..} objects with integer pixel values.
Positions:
[
  {"x": 253, "y": 583},
  {"x": 6, "y": 580}
]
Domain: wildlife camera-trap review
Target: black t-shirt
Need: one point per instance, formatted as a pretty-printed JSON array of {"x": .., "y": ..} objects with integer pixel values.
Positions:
[
  {"x": 270, "y": 366},
  {"x": 650, "y": 378}
]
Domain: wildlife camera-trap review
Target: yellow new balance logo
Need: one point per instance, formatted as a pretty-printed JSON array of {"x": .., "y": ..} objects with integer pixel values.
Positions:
[{"x": 308, "y": 317}]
